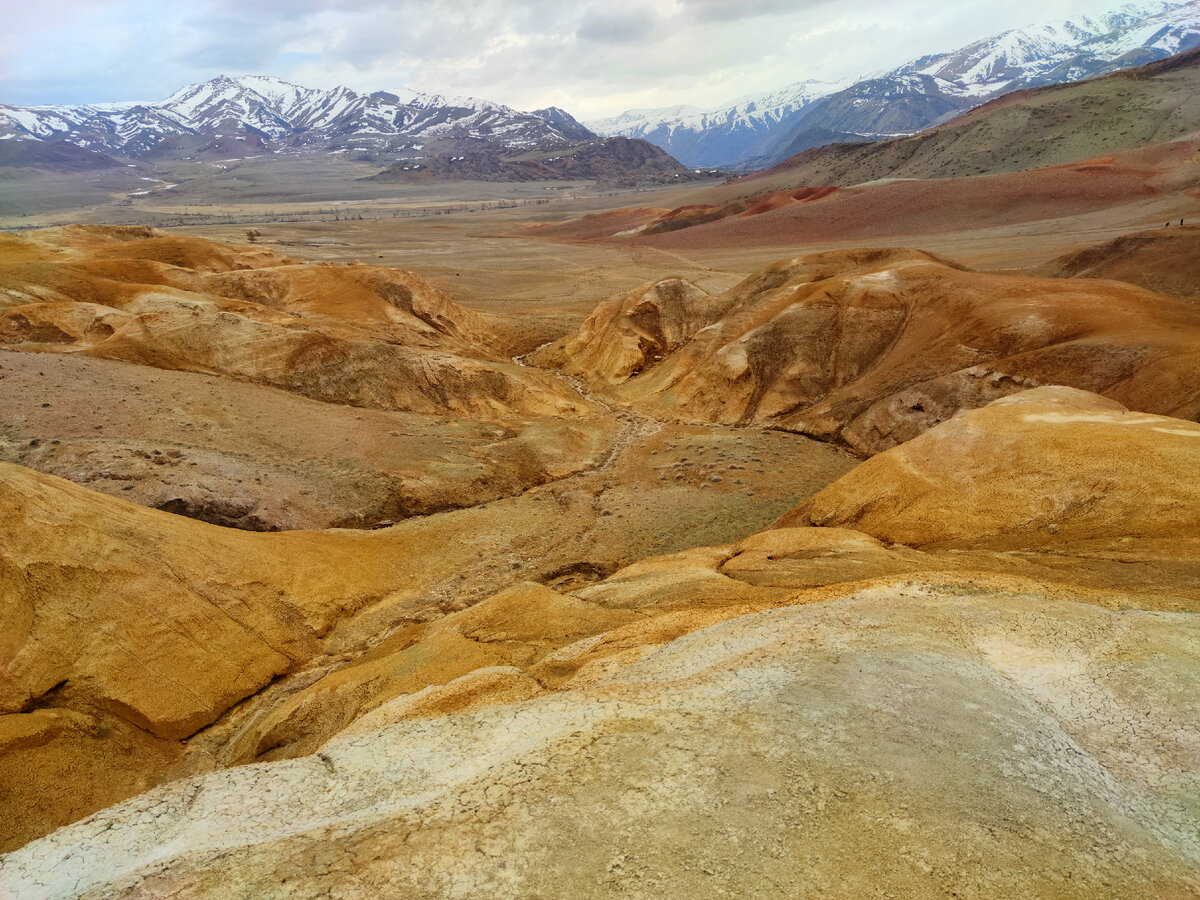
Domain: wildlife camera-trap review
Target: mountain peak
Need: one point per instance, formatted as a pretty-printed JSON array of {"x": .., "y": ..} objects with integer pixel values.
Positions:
[{"x": 762, "y": 129}]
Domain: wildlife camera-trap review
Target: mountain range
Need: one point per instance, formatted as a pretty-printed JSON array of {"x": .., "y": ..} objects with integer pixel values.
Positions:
[
  {"x": 762, "y": 130},
  {"x": 227, "y": 114},
  {"x": 257, "y": 114}
]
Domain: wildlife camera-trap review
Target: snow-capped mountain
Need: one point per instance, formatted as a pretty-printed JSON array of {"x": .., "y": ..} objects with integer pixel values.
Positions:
[
  {"x": 717, "y": 137},
  {"x": 270, "y": 114},
  {"x": 763, "y": 130},
  {"x": 1078, "y": 48}
]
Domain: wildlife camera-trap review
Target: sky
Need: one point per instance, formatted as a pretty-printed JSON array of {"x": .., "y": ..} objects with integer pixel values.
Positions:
[{"x": 592, "y": 57}]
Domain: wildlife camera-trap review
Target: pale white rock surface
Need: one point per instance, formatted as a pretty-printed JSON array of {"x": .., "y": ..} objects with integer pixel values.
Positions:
[{"x": 908, "y": 740}]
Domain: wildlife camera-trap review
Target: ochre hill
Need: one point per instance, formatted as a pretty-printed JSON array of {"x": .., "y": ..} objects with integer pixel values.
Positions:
[
  {"x": 353, "y": 335},
  {"x": 243, "y": 388},
  {"x": 1043, "y": 466},
  {"x": 889, "y": 713},
  {"x": 630, "y": 333},
  {"x": 871, "y": 347}
]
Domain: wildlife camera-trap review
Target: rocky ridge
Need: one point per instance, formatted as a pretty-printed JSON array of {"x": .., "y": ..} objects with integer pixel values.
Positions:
[{"x": 265, "y": 114}]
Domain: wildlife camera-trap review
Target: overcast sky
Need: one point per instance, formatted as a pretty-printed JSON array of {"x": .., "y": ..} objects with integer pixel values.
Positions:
[{"x": 591, "y": 57}]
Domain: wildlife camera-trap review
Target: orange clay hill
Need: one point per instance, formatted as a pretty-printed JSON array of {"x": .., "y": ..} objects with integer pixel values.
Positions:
[
  {"x": 872, "y": 347},
  {"x": 1010, "y": 594},
  {"x": 355, "y": 335}
]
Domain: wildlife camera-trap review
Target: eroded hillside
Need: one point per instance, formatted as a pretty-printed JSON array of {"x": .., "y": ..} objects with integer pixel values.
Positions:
[
  {"x": 870, "y": 348},
  {"x": 623, "y": 601},
  {"x": 944, "y": 709}
]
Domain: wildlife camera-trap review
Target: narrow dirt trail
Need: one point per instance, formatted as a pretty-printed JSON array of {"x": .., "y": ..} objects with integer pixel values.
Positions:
[{"x": 635, "y": 427}]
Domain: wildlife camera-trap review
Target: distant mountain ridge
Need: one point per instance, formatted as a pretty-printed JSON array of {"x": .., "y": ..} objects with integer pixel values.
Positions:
[
  {"x": 763, "y": 130},
  {"x": 610, "y": 162},
  {"x": 271, "y": 114}
]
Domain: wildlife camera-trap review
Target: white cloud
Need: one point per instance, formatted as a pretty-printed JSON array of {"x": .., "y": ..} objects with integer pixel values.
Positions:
[{"x": 592, "y": 57}]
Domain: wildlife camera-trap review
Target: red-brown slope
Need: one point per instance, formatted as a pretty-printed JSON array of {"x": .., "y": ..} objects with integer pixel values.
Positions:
[
  {"x": 902, "y": 208},
  {"x": 897, "y": 208}
]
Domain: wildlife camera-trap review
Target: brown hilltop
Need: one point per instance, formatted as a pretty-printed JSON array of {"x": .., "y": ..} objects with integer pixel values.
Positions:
[
  {"x": 1165, "y": 259},
  {"x": 872, "y": 347}
]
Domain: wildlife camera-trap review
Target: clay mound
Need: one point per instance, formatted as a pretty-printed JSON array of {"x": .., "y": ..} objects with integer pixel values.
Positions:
[
  {"x": 354, "y": 335},
  {"x": 513, "y": 629},
  {"x": 132, "y": 242},
  {"x": 131, "y": 629},
  {"x": 126, "y": 629},
  {"x": 396, "y": 305},
  {"x": 596, "y": 226},
  {"x": 337, "y": 369},
  {"x": 1166, "y": 260},
  {"x": 871, "y": 348},
  {"x": 365, "y": 294},
  {"x": 647, "y": 223},
  {"x": 1044, "y": 466},
  {"x": 258, "y": 458},
  {"x": 208, "y": 617},
  {"x": 632, "y": 332},
  {"x": 757, "y": 205}
]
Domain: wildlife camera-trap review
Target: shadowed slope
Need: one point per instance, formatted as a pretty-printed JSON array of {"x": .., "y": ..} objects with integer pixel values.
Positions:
[{"x": 1166, "y": 260}]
